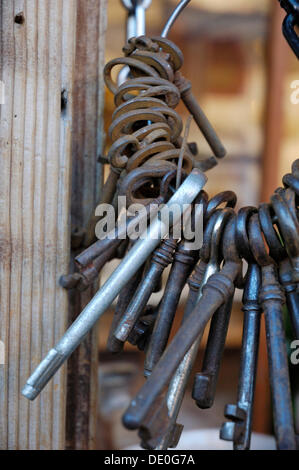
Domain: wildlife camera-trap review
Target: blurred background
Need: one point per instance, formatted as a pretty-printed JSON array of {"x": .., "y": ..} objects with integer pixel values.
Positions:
[{"x": 241, "y": 71}]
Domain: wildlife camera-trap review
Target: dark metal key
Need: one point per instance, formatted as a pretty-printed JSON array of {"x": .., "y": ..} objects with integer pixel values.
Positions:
[{"x": 272, "y": 299}]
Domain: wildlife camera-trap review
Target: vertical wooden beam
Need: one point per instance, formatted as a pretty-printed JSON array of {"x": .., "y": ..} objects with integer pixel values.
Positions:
[
  {"x": 86, "y": 182},
  {"x": 277, "y": 54},
  {"x": 37, "y": 39}
]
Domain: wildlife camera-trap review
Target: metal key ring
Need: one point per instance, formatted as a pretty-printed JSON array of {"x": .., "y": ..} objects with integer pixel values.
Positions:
[
  {"x": 242, "y": 241},
  {"x": 276, "y": 249},
  {"x": 213, "y": 233},
  {"x": 226, "y": 197},
  {"x": 257, "y": 243},
  {"x": 140, "y": 176}
]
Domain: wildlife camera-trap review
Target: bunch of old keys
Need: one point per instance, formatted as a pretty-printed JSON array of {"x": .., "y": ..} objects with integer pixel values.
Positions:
[{"x": 150, "y": 162}]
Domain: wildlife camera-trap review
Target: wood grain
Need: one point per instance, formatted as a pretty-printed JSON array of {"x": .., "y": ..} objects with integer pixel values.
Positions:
[{"x": 37, "y": 62}]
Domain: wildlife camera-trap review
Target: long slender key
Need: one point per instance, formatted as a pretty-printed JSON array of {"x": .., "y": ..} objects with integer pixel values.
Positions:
[
  {"x": 200, "y": 118},
  {"x": 185, "y": 195},
  {"x": 184, "y": 260},
  {"x": 218, "y": 289},
  {"x": 163, "y": 256},
  {"x": 211, "y": 253},
  {"x": 204, "y": 387},
  {"x": 272, "y": 299},
  {"x": 125, "y": 296},
  {"x": 238, "y": 430},
  {"x": 159, "y": 429},
  {"x": 278, "y": 252},
  {"x": 284, "y": 205},
  {"x": 168, "y": 430}
]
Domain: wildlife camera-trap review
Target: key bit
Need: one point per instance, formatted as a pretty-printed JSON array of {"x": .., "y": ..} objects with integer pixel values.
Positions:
[
  {"x": 233, "y": 430},
  {"x": 142, "y": 330},
  {"x": 154, "y": 424},
  {"x": 157, "y": 427}
]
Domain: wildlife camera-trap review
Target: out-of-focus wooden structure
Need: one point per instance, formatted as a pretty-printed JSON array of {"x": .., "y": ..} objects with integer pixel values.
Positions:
[{"x": 41, "y": 62}]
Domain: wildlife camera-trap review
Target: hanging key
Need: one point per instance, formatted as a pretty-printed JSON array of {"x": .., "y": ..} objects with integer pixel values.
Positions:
[
  {"x": 184, "y": 260},
  {"x": 163, "y": 431},
  {"x": 290, "y": 23},
  {"x": 185, "y": 195},
  {"x": 217, "y": 290},
  {"x": 210, "y": 258},
  {"x": 238, "y": 430},
  {"x": 162, "y": 257},
  {"x": 272, "y": 299},
  {"x": 278, "y": 253},
  {"x": 204, "y": 387}
]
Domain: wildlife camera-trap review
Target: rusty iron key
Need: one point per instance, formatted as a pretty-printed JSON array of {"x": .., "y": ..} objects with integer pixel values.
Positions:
[
  {"x": 238, "y": 429},
  {"x": 272, "y": 299},
  {"x": 162, "y": 257},
  {"x": 211, "y": 259},
  {"x": 184, "y": 260},
  {"x": 205, "y": 382},
  {"x": 278, "y": 252},
  {"x": 161, "y": 430},
  {"x": 204, "y": 387},
  {"x": 218, "y": 289}
]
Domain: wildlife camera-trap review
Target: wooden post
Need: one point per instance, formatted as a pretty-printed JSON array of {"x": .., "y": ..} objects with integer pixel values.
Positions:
[
  {"x": 86, "y": 183},
  {"x": 37, "y": 65}
]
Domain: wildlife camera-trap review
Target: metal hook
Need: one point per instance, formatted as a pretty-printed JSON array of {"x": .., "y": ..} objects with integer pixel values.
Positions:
[
  {"x": 136, "y": 26},
  {"x": 173, "y": 17},
  {"x": 136, "y": 16}
]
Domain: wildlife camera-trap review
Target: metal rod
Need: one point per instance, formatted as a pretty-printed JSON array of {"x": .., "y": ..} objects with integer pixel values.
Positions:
[{"x": 173, "y": 17}]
